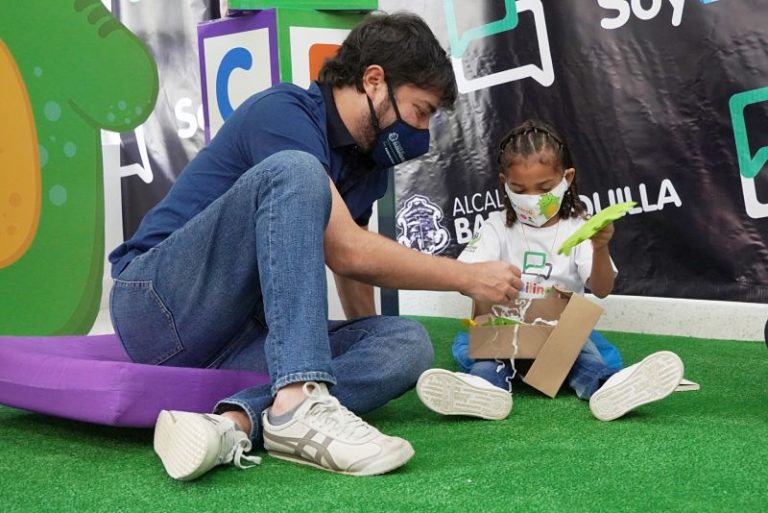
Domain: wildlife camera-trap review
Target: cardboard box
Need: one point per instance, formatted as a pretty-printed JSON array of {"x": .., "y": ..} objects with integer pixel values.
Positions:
[{"x": 552, "y": 349}]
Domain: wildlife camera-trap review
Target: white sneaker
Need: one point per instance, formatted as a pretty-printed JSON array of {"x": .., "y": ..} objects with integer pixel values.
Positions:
[
  {"x": 191, "y": 444},
  {"x": 652, "y": 379},
  {"x": 456, "y": 393},
  {"x": 324, "y": 434}
]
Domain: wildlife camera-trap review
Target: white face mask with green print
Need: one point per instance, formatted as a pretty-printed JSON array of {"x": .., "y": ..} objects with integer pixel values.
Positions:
[{"x": 537, "y": 209}]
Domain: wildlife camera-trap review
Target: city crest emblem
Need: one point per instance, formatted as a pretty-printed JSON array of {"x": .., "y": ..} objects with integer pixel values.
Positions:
[{"x": 419, "y": 227}]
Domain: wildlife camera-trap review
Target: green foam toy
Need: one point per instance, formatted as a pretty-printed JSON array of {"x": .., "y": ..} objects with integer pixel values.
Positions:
[
  {"x": 81, "y": 71},
  {"x": 595, "y": 223},
  {"x": 501, "y": 321}
]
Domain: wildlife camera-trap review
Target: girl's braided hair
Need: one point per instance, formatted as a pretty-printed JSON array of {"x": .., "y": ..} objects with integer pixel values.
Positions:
[{"x": 530, "y": 138}]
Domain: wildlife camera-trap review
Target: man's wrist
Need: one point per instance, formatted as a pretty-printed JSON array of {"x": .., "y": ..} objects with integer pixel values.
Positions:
[{"x": 462, "y": 277}]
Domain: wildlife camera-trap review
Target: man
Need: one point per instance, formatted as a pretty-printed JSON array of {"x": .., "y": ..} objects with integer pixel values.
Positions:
[{"x": 228, "y": 271}]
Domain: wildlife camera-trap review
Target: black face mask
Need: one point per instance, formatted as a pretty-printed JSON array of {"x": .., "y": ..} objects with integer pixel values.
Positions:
[{"x": 399, "y": 141}]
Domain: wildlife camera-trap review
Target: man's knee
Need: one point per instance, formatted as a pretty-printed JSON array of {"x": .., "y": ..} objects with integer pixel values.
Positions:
[
  {"x": 299, "y": 168},
  {"x": 418, "y": 353},
  {"x": 298, "y": 173}
]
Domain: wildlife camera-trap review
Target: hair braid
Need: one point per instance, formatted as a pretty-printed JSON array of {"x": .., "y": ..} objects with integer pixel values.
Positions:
[{"x": 530, "y": 138}]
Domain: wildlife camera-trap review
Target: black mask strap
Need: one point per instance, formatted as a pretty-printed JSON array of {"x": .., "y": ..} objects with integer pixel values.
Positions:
[{"x": 374, "y": 117}]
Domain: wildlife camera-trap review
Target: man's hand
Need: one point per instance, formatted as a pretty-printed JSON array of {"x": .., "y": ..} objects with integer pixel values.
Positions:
[
  {"x": 370, "y": 258},
  {"x": 601, "y": 238},
  {"x": 493, "y": 282}
]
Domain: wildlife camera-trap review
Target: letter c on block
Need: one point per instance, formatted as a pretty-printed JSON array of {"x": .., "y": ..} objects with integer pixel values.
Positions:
[{"x": 236, "y": 58}]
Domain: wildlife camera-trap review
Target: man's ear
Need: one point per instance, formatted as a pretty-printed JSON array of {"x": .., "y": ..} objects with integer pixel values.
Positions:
[{"x": 373, "y": 80}]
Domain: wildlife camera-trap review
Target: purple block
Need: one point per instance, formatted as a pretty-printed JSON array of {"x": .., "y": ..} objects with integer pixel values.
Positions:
[
  {"x": 233, "y": 54},
  {"x": 90, "y": 378}
]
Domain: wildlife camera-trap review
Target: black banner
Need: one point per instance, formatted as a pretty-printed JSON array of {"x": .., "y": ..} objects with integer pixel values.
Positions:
[
  {"x": 153, "y": 155},
  {"x": 661, "y": 101}
]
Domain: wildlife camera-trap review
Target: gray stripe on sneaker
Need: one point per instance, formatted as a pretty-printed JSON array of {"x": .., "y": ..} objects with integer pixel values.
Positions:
[{"x": 299, "y": 446}]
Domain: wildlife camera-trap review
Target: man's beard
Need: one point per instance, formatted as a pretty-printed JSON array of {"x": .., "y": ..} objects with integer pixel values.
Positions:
[{"x": 366, "y": 129}]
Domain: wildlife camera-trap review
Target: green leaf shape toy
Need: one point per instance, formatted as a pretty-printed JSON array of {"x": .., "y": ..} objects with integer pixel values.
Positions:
[{"x": 595, "y": 223}]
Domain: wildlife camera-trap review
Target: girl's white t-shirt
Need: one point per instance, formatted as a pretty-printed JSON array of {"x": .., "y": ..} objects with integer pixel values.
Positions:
[{"x": 534, "y": 251}]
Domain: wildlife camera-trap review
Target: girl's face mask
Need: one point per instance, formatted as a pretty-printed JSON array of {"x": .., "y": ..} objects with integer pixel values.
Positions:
[{"x": 537, "y": 209}]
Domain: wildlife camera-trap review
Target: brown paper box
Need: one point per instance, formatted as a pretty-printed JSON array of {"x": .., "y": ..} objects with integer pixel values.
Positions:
[{"x": 552, "y": 349}]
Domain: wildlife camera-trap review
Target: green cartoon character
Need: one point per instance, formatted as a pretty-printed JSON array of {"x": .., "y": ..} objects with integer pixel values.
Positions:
[
  {"x": 549, "y": 204},
  {"x": 70, "y": 69}
]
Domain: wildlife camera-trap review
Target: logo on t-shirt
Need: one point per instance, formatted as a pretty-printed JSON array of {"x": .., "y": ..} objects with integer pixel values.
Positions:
[
  {"x": 472, "y": 243},
  {"x": 535, "y": 274}
]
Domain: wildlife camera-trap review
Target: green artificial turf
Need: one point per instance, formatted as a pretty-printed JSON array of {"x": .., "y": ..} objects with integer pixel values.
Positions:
[{"x": 695, "y": 451}]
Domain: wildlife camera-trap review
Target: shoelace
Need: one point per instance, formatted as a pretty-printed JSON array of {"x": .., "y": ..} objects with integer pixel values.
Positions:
[
  {"x": 235, "y": 454},
  {"x": 332, "y": 415}
]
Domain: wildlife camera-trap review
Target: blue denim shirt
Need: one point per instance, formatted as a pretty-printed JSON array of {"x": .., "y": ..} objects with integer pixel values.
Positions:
[{"x": 284, "y": 117}]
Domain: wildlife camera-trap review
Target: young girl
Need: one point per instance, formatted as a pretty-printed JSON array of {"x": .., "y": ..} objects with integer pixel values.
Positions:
[{"x": 542, "y": 208}]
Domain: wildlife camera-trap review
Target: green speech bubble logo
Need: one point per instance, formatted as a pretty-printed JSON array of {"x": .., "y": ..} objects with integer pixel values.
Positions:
[
  {"x": 749, "y": 165},
  {"x": 459, "y": 44}
]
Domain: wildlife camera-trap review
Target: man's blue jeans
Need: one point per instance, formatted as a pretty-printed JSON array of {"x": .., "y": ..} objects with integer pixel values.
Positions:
[{"x": 242, "y": 286}]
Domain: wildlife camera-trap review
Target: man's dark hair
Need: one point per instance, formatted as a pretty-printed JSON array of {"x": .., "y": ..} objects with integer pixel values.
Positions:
[{"x": 403, "y": 45}]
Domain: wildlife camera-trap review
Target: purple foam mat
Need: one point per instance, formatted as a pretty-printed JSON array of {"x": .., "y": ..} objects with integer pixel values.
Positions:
[{"x": 91, "y": 379}]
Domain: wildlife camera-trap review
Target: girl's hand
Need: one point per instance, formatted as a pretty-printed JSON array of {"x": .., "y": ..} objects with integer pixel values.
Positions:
[{"x": 600, "y": 239}]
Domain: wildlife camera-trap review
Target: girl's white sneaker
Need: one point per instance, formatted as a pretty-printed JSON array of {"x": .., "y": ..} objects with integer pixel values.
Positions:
[
  {"x": 652, "y": 379},
  {"x": 456, "y": 393}
]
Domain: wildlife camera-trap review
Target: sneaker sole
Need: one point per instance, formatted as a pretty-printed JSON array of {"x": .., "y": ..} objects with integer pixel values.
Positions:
[
  {"x": 382, "y": 466},
  {"x": 447, "y": 394},
  {"x": 655, "y": 378},
  {"x": 182, "y": 446}
]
